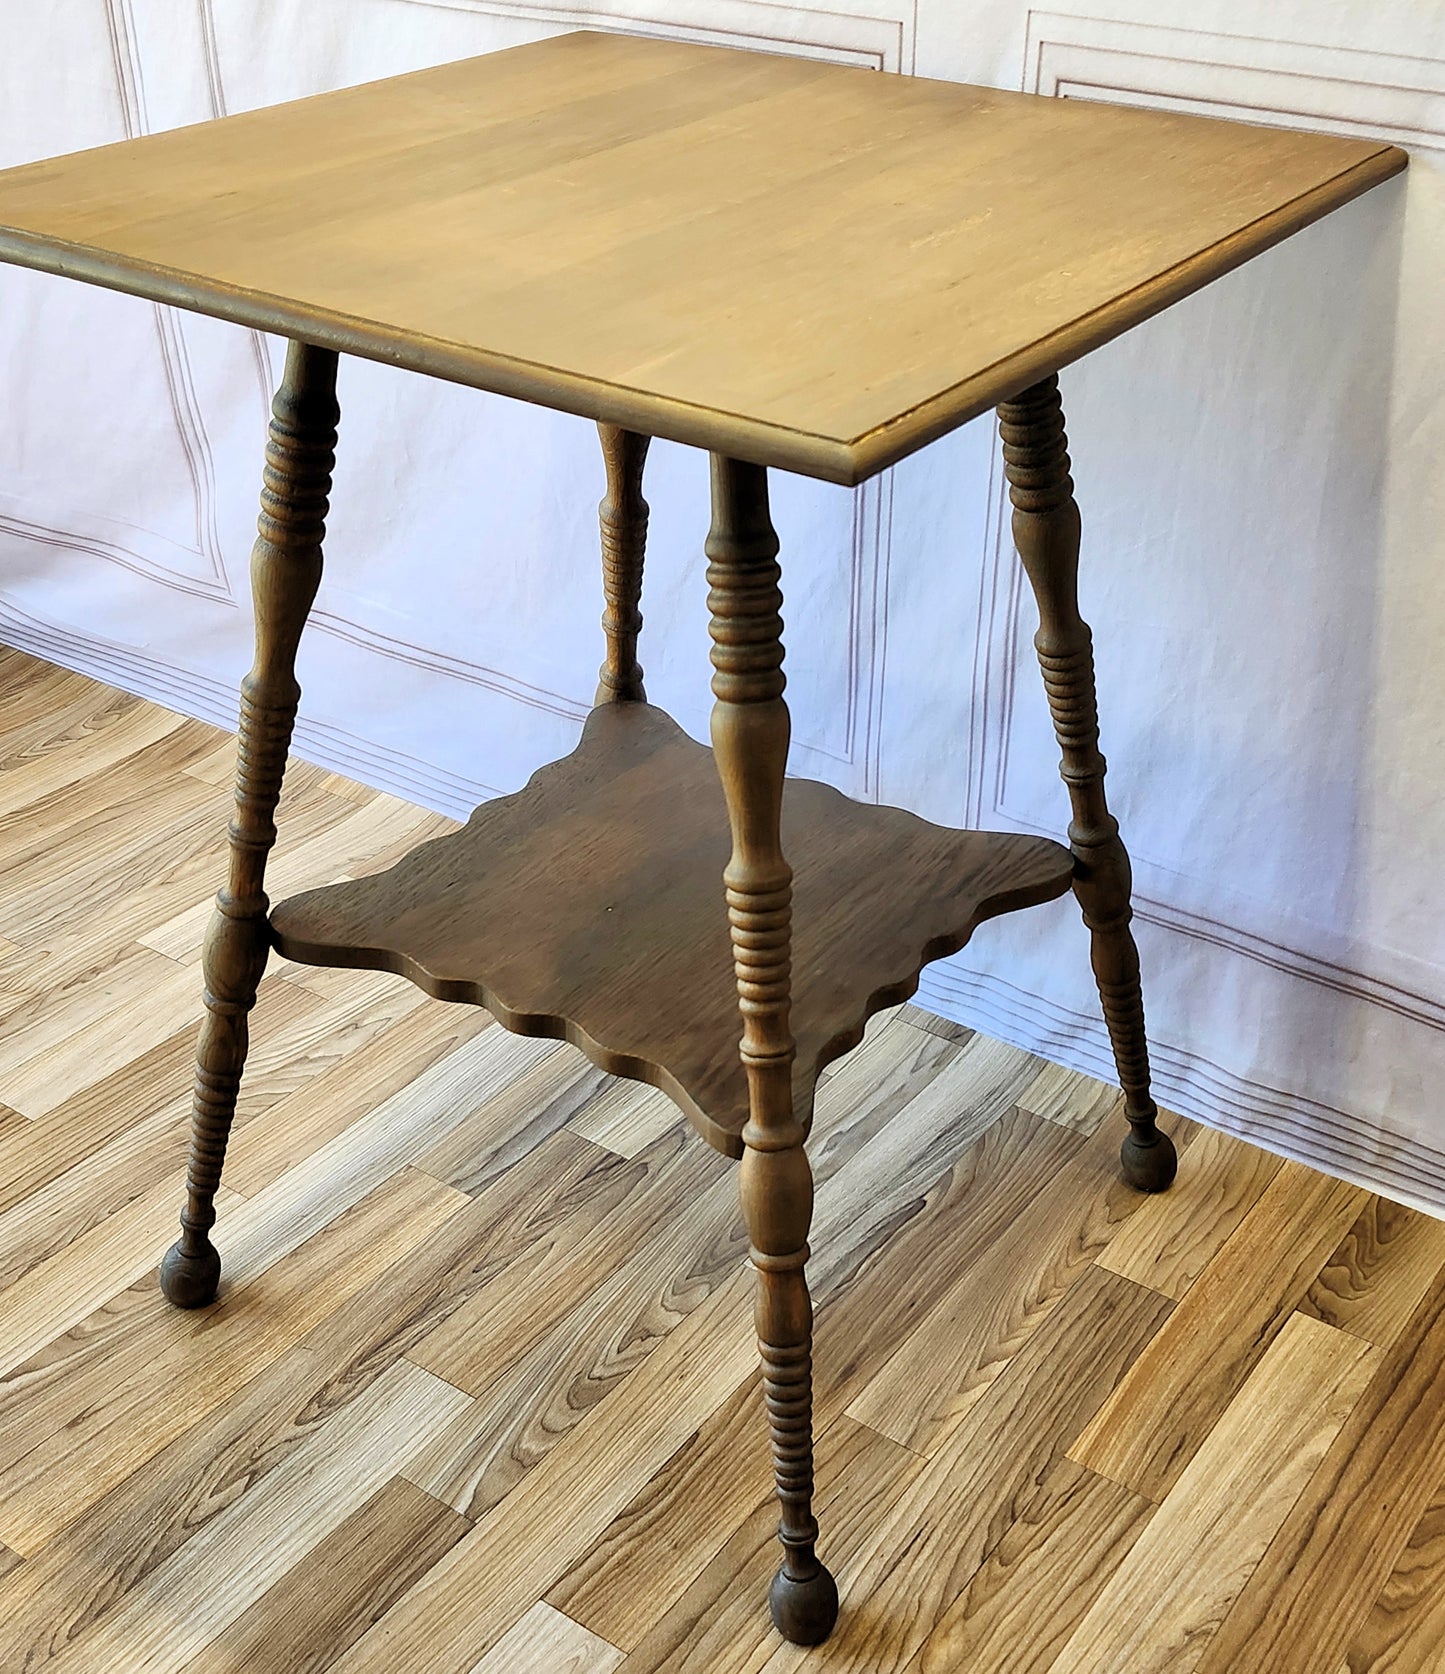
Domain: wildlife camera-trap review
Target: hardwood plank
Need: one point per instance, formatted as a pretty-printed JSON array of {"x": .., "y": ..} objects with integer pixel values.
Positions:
[
  {"x": 1405, "y": 1627},
  {"x": 657, "y": 1542},
  {"x": 515, "y": 1553},
  {"x": 136, "y": 1003},
  {"x": 295, "y": 1038},
  {"x": 525, "y": 1408},
  {"x": 171, "y": 1615},
  {"x": 319, "y": 1607},
  {"x": 565, "y": 1180},
  {"x": 1175, "y": 1235},
  {"x": 545, "y": 1642},
  {"x": 89, "y": 1120},
  {"x": 1156, "y": 1420},
  {"x": 86, "y": 1275},
  {"x": 28, "y": 781},
  {"x": 1386, "y": 1262},
  {"x": 142, "y": 1139},
  {"x": 48, "y": 707},
  {"x": 321, "y": 1186},
  {"x": 924, "y": 1390},
  {"x": 944, "y": 1027},
  {"x": 188, "y": 879},
  {"x": 82, "y": 1574},
  {"x": 97, "y": 1417},
  {"x": 1039, "y": 1580},
  {"x": 883, "y": 1287},
  {"x": 297, "y": 1125},
  {"x": 743, "y": 233},
  {"x": 1067, "y": 1096},
  {"x": 1169, "y": 1595},
  {"x": 628, "y": 955},
  {"x": 626, "y": 1117},
  {"x": 552, "y": 1090},
  {"x": 873, "y": 1176},
  {"x": 94, "y": 778},
  {"x": 646, "y": 1557},
  {"x": 285, "y": 1065},
  {"x": 50, "y": 888},
  {"x": 719, "y": 1619},
  {"x": 864, "y": 1091},
  {"x": 681, "y": 1199},
  {"x": 928, "y": 1543},
  {"x": 360, "y": 840},
  {"x": 218, "y": 767},
  {"x": 1309, "y": 1595},
  {"x": 538, "y": 1380}
]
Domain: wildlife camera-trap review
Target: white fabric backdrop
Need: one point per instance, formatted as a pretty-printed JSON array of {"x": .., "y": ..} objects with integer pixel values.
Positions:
[{"x": 1260, "y": 472}]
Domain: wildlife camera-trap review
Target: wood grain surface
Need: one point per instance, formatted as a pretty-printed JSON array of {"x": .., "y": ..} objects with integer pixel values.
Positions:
[
  {"x": 443, "y": 1277},
  {"x": 1155, "y": 1422},
  {"x": 681, "y": 239},
  {"x": 590, "y": 906}
]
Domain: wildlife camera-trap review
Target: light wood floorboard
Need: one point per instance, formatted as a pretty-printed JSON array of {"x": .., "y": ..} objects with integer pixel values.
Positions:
[{"x": 480, "y": 1394}]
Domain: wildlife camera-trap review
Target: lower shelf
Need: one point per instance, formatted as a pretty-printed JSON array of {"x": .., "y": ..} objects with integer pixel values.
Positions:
[{"x": 590, "y": 906}]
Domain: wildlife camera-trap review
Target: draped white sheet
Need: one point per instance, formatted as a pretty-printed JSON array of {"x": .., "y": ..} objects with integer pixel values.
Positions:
[{"x": 1260, "y": 472}]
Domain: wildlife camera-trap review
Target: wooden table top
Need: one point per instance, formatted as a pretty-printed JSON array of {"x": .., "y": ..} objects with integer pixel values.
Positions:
[{"x": 801, "y": 264}]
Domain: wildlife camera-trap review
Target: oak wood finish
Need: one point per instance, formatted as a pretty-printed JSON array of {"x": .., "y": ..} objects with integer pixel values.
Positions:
[
  {"x": 642, "y": 223},
  {"x": 1385, "y": 1263},
  {"x": 1046, "y": 533},
  {"x": 285, "y": 573},
  {"x": 1404, "y": 1631},
  {"x": 623, "y": 519},
  {"x": 1160, "y": 1606},
  {"x": 750, "y": 733},
  {"x": 305, "y": 1620},
  {"x": 645, "y": 1515},
  {"x": 545, "y": 1642},
  {"x": 1157, "y": 1419},
  {"x": 1303, "y": 1604},
  {"x": 1040, "y": 1578},
  {"x": 1172, "y": 1239},
  {"x": 676, "y": 238},
  {"x": 587, "y": 907}
]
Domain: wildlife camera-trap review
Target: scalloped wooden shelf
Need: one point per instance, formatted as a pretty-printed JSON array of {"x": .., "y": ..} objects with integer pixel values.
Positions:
[{"x": 589, "y": 906}]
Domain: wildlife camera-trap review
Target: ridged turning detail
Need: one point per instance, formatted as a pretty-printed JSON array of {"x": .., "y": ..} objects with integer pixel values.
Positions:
[
  {"x": 788, "y": 1396},
  {"x": 750, "y": 731},
  {"x": 750, "y": 741},
  {"x": 622, "y": 516},
  {"x": 285, "y": 572},
  {"x": 1046, "y": 533}
]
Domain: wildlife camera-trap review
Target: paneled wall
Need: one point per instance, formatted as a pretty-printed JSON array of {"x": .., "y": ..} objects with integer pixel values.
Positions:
[{"x": 1261, "y": 474}]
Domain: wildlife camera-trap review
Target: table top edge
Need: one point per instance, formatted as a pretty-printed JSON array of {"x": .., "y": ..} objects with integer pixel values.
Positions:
[{"x": 845, "y": 461}]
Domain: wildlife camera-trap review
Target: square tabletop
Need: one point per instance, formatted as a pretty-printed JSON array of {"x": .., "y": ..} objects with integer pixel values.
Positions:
[{"x": 801, "y": 264}]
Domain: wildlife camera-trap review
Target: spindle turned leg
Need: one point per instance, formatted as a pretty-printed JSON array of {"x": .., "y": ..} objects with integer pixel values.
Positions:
[
  {"x": 750, "y": 740},
  {"x": 623, "y": 516},
  {"x": 1046, "y": 533},
  {"x": 285, "y": 571}
]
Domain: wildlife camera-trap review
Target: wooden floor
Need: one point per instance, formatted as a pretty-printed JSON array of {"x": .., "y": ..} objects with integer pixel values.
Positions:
[{"x": 479, "y": 1395}]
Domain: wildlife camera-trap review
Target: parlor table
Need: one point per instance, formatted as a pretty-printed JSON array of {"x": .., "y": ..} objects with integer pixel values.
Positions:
[{"x": 793, "y": 265}]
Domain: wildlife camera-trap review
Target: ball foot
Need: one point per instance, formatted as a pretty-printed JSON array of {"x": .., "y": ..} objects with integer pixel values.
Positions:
[
  {"x": 804, "y": 1611},
  {"x": 189, "y": 1278},
  {"x": 1149, "y": 1165}
]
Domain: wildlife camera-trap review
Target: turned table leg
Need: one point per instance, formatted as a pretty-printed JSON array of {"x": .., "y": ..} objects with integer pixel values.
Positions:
[
  {"x": 285, "y": 571},
  {"x": 623, "y": 516},
  {"x": 1046, "y": 533},
  {"x": 750, "y": 740}
]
